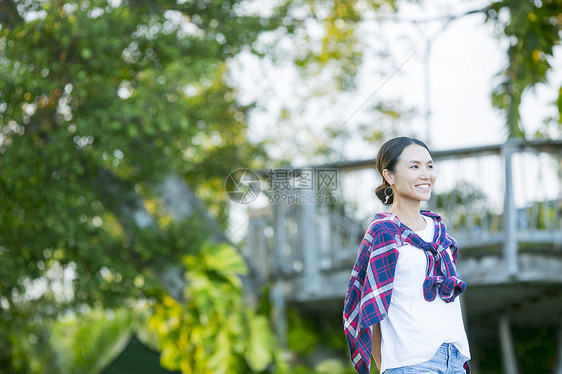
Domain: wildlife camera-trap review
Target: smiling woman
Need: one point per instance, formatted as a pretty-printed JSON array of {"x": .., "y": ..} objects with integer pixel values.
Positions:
[
  {"x": 407, "y": 170},
  {"x": 401, "y": 305}
]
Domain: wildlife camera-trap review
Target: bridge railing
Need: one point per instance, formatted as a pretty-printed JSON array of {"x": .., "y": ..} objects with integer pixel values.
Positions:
[
  {"x": 494, "y": 198},
  {"x": 503, "y": 197}
]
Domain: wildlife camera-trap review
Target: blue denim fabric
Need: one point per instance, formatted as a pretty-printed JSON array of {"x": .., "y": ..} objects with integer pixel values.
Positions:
[{"x": 447, "y": 360}]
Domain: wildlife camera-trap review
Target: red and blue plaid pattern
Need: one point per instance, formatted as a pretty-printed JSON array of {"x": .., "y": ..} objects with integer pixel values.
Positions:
[{"x": 370, "y": 285}]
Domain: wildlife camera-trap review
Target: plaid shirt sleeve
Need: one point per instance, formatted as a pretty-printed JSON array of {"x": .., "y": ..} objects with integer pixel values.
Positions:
[{"x": 369, "y": 290}]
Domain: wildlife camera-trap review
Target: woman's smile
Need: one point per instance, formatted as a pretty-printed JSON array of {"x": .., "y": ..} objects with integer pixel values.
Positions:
[{"x": 424, "y": 186}]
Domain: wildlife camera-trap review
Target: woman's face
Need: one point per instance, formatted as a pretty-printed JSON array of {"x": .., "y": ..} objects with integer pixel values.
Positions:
[{"x": 414, "y": 177}]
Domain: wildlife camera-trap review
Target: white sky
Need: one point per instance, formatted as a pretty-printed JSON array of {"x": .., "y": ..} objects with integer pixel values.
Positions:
[{"x": 465, "y": 58}]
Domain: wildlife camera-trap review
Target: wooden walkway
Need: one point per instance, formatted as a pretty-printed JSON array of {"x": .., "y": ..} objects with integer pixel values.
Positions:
[{"x": 501, "y": 202}]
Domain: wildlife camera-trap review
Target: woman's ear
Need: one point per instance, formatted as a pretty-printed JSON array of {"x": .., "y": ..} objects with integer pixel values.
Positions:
[{"x": 387, "y": 175}]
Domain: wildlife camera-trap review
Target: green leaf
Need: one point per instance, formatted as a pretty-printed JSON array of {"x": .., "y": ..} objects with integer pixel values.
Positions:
[{"x": 261, "y": 344}]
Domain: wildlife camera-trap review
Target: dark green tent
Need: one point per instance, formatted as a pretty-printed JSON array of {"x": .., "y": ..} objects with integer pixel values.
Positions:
[{"x": 136, "y": 358}]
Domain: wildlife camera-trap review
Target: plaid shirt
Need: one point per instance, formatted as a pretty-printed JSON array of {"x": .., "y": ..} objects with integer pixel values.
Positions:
[{"x": 370, "y": 286}]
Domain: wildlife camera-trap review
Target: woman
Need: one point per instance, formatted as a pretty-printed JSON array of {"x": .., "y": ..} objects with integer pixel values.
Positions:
[{"x": 401, "y": 305}]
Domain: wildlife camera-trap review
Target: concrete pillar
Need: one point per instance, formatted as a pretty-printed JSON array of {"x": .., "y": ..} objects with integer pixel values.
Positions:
[
  {"x": 509, "y": 359},
  {"x": 256, "y": 246},
  {"x": 277, "y": 295},
  {"x": 510, "y": 225},
  {"x": 309, "y": 245},
  {"x": 278, "y": 257},
  {"x": 279, "y": 312},
  {"x": 557, "y": 369},
  {"x": 324, "y": 241}
]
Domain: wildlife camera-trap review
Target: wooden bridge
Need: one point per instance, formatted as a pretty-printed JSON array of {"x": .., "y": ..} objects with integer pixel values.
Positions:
[{"x": 501, "y": 202}]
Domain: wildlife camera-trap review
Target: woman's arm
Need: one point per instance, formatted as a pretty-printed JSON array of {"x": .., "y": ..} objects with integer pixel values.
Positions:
[{"x": 376, "y": 343}]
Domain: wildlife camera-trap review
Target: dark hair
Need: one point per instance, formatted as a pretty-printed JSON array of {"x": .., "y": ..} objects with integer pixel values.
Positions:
[{"x": 388, "y": 156}]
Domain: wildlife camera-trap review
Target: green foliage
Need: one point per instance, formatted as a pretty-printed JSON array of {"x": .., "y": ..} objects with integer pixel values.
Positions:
[
  {"x": 535, "y": 349},
  {"x": 75, "y": 343},
  {"x": 301, "y": 335},
  {"x": 213, "y": 331},
  {"x": 308, "y": 333},
  {"x": 533, "y": 29},
  {"x": 98, "y": 104},
  {"x": 87, "y": 343},
  {"x": 338, "y": 47},
  {"x": 333, "y": 366}
]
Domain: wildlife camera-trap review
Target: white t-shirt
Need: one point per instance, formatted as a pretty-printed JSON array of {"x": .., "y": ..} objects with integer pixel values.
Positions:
[{"x": 414, "y": 329}]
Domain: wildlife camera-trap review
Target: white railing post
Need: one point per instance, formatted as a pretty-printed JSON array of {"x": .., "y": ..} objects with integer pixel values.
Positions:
[{"x": 509, "y": 214}]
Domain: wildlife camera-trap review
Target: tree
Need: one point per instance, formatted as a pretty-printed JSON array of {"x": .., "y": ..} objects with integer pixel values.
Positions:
[
  {"x": 102, "y": 103},
  {"x": 533, "y": 29},
  {"x": 99, "y": 102}
]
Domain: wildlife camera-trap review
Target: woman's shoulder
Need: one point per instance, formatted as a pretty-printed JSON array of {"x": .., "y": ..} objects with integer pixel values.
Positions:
[{"x": 383, "y": 222}]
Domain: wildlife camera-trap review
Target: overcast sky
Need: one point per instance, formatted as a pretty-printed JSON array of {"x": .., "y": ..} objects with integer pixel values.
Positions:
[{"x": 465, "y": 58}]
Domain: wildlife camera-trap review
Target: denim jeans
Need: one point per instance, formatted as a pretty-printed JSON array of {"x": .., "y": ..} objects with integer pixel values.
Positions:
[{"x": 447, "y": 360}]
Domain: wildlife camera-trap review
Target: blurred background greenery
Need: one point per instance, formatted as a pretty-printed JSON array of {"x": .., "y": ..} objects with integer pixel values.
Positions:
[{"x": 102, "y": 103}]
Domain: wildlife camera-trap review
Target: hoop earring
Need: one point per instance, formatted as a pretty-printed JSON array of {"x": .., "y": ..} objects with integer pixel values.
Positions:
[{"x": 388, "y": 194}]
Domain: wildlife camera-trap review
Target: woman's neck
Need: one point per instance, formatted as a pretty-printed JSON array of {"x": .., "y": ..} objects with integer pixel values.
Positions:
[{"x": 409, "y": 214}]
